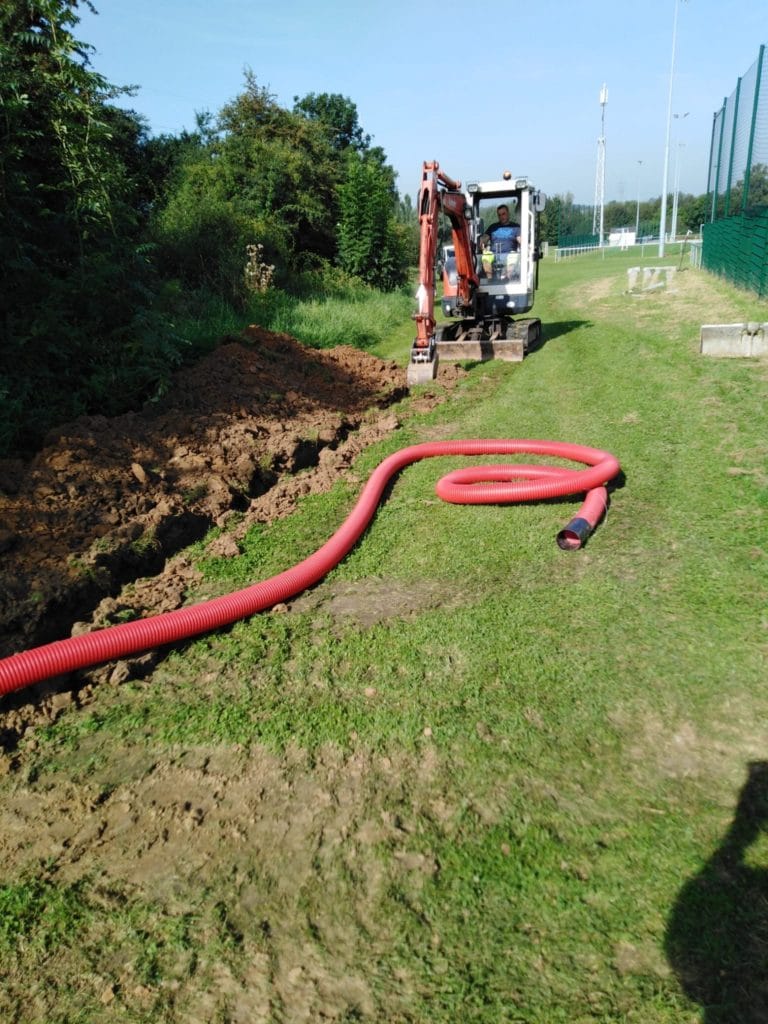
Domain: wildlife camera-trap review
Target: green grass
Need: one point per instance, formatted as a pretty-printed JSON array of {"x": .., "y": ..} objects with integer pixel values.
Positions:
[
  {"x": 504, "y": 805},
  {"x": 332, "y": 313},
  {"x": 353, "y": 315}
]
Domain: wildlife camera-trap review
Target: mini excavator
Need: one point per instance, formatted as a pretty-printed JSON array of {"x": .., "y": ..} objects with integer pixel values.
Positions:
[{"x": 490, "y": 276}]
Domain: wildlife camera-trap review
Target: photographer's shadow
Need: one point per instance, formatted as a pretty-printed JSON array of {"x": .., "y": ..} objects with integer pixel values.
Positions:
[{"x": 717, "y": 935}]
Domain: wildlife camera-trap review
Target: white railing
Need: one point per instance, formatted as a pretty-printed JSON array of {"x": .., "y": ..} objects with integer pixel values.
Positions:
[{"x": 564, "y": 252}]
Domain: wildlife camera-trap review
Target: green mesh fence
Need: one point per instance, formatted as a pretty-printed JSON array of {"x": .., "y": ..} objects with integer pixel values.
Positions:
[
  {"x": 736, "y": 240},
  {"x": 647, "y": 230},
  {"x": 574, "y": 225},
  {"x": 570, "y": 241},
  {"x": 737, "y": 248}
]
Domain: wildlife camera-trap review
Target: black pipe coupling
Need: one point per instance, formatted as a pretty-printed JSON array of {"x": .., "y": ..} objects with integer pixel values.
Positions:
[{"x": 574, "y": 535}]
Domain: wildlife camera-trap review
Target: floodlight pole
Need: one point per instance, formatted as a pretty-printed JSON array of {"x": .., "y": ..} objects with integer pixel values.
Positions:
[
  {"x": 665, "y": 183},
  {"x": 676, "y": 191},
  {"x": 637, "y": 215}
]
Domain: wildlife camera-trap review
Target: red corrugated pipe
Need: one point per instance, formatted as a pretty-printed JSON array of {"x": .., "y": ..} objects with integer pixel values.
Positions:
[{"x": 482, "y": 485}]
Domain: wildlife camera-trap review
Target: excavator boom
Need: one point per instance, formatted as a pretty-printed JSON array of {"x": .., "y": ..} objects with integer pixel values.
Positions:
[{"x": 438, "y": 194}]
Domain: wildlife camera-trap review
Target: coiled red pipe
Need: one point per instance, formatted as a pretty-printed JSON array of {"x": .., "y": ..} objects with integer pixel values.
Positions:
[{"x": 476, "y": 486}]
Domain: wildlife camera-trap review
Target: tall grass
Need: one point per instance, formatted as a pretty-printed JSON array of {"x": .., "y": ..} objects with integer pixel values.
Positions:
[
  {"x": 320, "y": 312},
  {"x": 363, "y": 319}
]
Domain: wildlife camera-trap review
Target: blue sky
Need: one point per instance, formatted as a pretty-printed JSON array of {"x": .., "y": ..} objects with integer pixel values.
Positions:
[{"x": 481, "y": 88}]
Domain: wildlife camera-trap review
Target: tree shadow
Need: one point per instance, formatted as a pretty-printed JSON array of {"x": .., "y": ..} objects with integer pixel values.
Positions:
[{"x": 717, "y": 934}]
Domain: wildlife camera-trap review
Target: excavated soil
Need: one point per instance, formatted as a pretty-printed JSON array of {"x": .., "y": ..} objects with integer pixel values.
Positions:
[
  {"x": 189, "y": 868},
  {"x": 111, "y": 501}
]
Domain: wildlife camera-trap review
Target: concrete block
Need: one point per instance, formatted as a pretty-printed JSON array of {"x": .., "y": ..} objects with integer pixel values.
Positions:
[{"x": 734, "y": 340}]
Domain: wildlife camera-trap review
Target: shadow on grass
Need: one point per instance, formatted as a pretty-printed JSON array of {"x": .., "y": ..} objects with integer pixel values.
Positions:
[
  {"x": 555, "y": 329},
  {"x": 549, "y": 331},
  {"x": 717, "y": 935}
]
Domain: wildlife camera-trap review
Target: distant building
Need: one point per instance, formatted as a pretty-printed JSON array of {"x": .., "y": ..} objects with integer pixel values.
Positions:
[{"x": 622, "y": 237}]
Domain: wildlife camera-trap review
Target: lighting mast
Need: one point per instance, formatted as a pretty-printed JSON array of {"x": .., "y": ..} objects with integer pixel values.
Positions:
[{"x": 600, "y": 172}]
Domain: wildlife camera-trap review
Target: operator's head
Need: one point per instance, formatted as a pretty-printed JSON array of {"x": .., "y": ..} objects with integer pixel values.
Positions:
[{"x": 503, "y": 213}]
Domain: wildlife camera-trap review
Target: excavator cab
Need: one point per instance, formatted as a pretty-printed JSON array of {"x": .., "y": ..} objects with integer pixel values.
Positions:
[
  {"x": 495, "y": 271},
  {"x": 507, "y": 281}
]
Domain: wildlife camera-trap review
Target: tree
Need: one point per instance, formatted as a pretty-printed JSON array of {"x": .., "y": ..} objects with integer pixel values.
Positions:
[
  {"x": 54, "y": 147},
  {"x": 338, "y": 115},
  {"x": 692, "y": 212},
  {"x": 758, "y": 187},
  {"x": 757, "y": 198},
  {"x": 68, "y": 220},
  {"x": 407, "y": 219},
  {"x": 372, "y": 246},
  {"x": 161, "y": 157},
  {"x": 288, "y": 180},
  {"x": 281, "y": 166},
  {"x": 248, "y": 181}
]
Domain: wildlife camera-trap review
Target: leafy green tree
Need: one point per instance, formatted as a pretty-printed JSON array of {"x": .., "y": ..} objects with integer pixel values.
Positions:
[
  {"x": 372, "y": 245},
  {"x": 619, "y": 215},
  {"x": 279, "y": 169},
  {"x": 160, "y": 158},
  {"x": 288, "y": 180},
  {"x": 757, "y": 198},
  {"x": 407, "y": 219},
  {"x": 405, "y": 210},
  {"x": 53, "y": 147},
  {"x": 378, "y": 232},
  {"x": 758, "y": 187},
  {"x": 74, "y": 279},
  {"x": 338, "y": 115},
  {"x": 549, "y": 220},
  {"x": 692, "y": 212}
]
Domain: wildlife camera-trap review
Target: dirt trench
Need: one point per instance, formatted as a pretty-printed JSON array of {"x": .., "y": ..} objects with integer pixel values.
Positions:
[{"x": 112, "y": 501}]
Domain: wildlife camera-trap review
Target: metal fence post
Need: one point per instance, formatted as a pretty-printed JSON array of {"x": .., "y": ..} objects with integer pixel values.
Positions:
[
  {"x": 716, "y": 190},
  {"x": 711, "y": 155},
  {"x": 733, "y": 150},
  {"x": 753, "y": 127}
]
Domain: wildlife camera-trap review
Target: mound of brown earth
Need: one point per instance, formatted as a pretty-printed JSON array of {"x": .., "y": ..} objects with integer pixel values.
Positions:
[{"x": 108, "y": 500}]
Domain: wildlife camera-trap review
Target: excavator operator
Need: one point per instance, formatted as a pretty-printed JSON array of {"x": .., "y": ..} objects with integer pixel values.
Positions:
[
  {"x": 505, "y": 241},
  {"x": 505, "y": 236}
]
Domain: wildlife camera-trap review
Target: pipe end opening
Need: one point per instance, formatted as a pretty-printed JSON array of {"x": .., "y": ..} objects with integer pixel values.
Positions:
[
  {"x": 574, "y": 535},
  {"x": 568, "y": 540}
]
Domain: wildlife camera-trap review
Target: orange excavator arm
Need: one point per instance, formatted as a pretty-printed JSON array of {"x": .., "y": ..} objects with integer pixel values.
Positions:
[{"x": 439, "y": 193}]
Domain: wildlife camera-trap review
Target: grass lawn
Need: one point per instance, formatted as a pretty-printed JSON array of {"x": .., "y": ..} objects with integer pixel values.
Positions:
[{"x": 471, "y": 777}]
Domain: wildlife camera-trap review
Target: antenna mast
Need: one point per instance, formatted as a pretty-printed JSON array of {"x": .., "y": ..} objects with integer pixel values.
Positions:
[{"x": 598, "y": 215}]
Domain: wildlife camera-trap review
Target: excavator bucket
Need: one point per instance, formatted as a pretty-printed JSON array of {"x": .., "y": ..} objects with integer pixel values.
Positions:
[
  {"x": 421, "y": 373},
  {"x": 423, "y": 365}
]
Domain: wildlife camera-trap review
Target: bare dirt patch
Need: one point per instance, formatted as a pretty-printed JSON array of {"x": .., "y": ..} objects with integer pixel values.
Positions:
[
  {"x": 108, "y": 500},
  {"x": 111, "y": 501},
  {"x": 693, "y": 295},
  {"x": 370, "y": 601},
  {"x": 273, "y": 867},
  {"x": 679, "y": 750},
  {"x": 250, "y": 882}
]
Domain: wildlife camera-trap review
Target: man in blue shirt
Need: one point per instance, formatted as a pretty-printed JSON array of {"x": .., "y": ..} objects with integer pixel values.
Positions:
[{"x": 505, "y": 239}]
